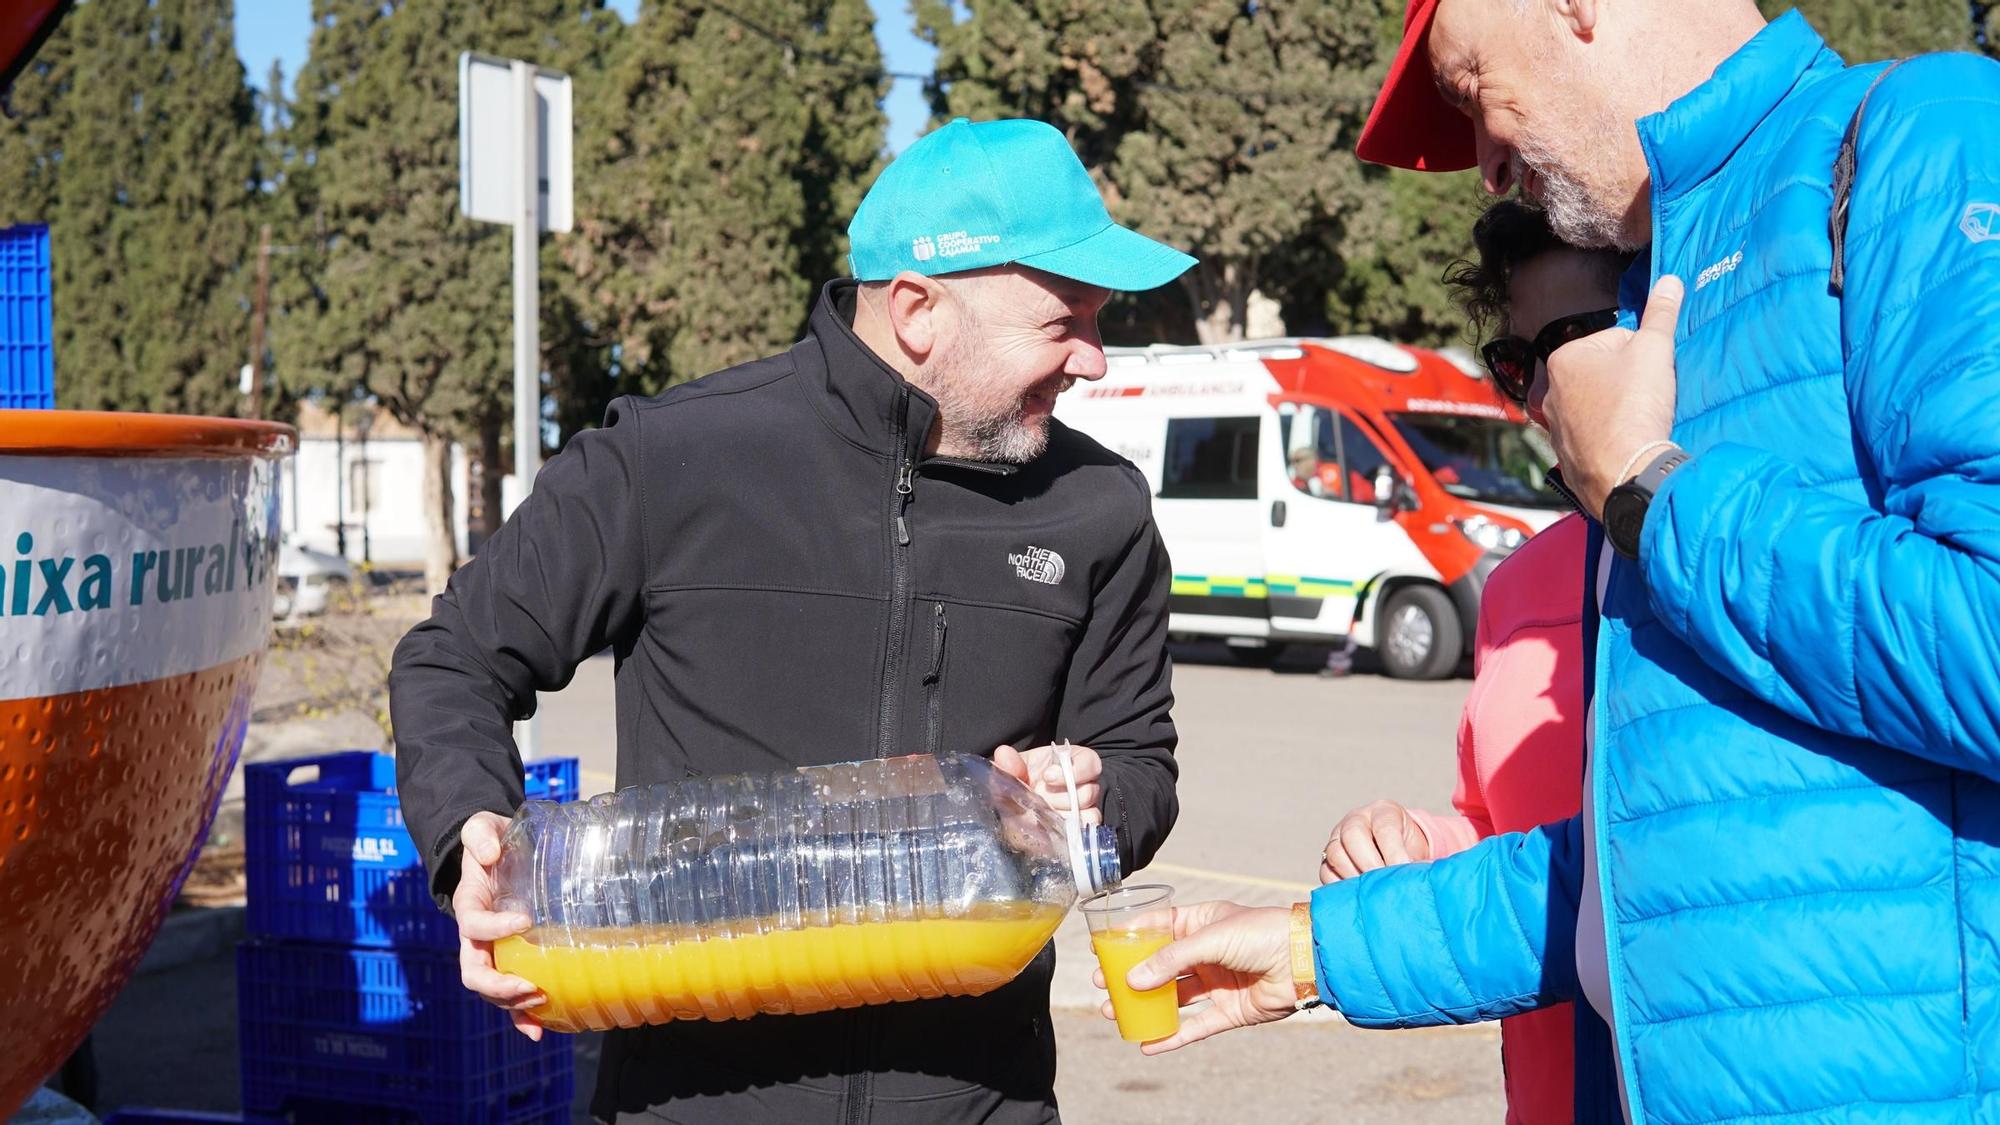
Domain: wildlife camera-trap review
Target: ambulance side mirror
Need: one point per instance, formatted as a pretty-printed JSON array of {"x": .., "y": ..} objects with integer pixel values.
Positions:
[{"x": 1391, "y": 494}]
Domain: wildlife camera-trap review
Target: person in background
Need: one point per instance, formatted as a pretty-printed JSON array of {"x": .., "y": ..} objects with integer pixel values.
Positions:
[{"x": 1520, "y": 736}]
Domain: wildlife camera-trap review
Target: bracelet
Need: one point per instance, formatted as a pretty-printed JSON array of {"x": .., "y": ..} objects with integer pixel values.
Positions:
[
  {"x": 1304, "y": 975},
  {"x": 1625, "y": 474}
]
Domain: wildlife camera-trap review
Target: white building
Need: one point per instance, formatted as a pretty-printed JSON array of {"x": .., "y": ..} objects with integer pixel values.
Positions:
[{"x": 373, "y": 488}]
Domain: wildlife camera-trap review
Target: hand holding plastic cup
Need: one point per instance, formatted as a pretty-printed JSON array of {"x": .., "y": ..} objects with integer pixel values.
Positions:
[{"x": 1127, "y": 926}]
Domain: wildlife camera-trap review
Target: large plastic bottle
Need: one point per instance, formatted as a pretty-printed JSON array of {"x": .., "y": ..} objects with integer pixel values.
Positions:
[{"x": 824, "y": 887}]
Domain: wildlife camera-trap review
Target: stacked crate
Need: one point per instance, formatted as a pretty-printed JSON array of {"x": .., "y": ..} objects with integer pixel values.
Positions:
[
  {"x": 27, "y": 319},
  {"x": 348, "y": 990}
]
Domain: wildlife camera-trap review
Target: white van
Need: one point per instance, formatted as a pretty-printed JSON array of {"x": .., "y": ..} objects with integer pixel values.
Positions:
[{"x": 1320, "y": 490}]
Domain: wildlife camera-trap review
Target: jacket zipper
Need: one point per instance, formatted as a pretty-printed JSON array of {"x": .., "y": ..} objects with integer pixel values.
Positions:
[
  {"x": 860, "y": 1084},
  {"x": 899, "y": 585},
  {"x": 934, "y": 684},
  {"x": 899, "y": 596}
]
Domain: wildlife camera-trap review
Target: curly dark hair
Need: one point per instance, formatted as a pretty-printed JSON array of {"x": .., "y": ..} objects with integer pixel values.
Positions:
[{"x": 1509, "y": 234}]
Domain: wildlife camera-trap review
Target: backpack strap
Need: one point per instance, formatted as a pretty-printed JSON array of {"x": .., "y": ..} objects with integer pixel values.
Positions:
[{"x": 1843, "y": 184}]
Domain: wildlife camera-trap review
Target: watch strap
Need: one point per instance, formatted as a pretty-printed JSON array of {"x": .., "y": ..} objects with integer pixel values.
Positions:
[{"x": 1650, "y": 478}]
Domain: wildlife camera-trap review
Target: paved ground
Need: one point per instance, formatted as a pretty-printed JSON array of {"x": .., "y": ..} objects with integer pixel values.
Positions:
[{"x": 1269, "y": 760}]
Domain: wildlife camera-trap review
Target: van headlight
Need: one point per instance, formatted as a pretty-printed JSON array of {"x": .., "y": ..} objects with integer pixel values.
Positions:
[{"x": 1489, "y": 535}]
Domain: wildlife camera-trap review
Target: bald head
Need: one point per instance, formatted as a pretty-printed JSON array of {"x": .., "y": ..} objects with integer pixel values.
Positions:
[{"x": 1553, "y": 88}]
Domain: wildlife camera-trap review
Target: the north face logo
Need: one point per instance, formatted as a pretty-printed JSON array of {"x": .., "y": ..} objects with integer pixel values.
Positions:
[
  {"x": 1981, "y": 222},
  {"x": 1038, "y": 564},
  {"x": 922, "y": 248}
]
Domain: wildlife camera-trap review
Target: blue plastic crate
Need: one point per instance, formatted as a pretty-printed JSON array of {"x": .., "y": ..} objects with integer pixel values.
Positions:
[
  {"x": 328, "y": 858},
  {"x": 27, "y": 320},
  {"x": 343, "y": 1034}
]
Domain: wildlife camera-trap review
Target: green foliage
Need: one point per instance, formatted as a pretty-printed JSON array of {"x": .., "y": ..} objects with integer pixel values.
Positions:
[
  {"x": 1225, "y": 128},
  {"x": 407, "y": 300},
  {"x": 1866, "y": 30},
  {"x": 1392, "y": 284},
  {"x": 135, "y": 139},
  {"x": 713, "y": 201}
]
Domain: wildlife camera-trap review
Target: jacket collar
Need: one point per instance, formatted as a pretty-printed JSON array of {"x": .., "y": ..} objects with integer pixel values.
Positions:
[
  {"x": 1691, "y": 139},
  {"x": 864, "y": 399}
]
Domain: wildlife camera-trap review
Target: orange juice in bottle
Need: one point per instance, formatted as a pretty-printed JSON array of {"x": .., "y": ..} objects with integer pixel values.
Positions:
[{"x": 824, "y": 887}]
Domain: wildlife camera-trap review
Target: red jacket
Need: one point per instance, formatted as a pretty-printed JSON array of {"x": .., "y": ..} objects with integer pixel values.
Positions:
[{"x": 1520, "y": 764}]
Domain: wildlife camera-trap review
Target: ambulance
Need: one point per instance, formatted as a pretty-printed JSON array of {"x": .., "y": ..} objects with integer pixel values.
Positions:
[{"x": 1325, "y": 491}]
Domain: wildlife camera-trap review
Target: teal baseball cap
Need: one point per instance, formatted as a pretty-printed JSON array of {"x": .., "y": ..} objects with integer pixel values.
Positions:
[{"x": 969, "y": 196}]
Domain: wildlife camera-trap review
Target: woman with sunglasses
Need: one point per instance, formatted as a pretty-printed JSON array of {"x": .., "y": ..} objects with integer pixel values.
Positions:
[{"x": 1520, "y": 736}]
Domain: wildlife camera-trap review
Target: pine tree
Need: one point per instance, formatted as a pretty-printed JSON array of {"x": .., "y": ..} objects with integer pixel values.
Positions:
[
  {"x": 715, "y": 199},
  {"x": 1224, "y": 128}
]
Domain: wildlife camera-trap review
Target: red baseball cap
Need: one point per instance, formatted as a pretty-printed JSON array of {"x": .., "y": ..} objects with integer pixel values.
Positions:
[{"x": 1412, "y": 126}]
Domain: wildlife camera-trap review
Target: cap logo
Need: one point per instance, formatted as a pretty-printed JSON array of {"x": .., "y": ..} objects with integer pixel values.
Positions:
[
  {"x": 922, "y": 248},
  {"x": 954, "y": 243}
]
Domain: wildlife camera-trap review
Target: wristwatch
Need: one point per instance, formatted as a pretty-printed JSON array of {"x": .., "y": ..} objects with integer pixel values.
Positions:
[{"x": 1625, "y": 509}]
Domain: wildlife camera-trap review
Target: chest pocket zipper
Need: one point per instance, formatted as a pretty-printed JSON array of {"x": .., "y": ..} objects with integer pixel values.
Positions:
[{"x": 934, "y": 684}]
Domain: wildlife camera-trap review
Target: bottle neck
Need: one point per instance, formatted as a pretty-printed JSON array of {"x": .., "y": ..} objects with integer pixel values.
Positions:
[{"x": 1096, "y": 868}]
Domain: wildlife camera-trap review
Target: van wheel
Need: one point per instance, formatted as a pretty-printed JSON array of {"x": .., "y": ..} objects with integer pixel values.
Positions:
[{"x": 1420, "y": 635}]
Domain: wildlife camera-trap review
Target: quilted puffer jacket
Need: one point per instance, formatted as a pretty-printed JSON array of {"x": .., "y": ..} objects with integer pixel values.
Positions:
[{"x": 1798, "y": 686}]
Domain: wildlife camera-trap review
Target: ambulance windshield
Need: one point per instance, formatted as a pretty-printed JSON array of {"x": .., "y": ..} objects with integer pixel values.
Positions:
[{"x": 1491, "y": 460}]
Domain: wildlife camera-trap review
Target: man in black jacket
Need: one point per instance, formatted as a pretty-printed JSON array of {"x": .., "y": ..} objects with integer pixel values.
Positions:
[{"x": 877, "y": 543}]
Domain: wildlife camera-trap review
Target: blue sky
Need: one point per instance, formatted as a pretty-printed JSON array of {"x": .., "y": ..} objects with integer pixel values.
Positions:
[{"x": 278, "y": 29}]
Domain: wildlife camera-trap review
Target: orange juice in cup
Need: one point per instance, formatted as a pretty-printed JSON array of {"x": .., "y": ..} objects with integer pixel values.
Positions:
[{"x": 1127, "y": 926}]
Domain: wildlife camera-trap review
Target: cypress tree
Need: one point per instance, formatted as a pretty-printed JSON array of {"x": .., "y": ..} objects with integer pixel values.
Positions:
[
  {"x": 718, "y": 195},
  {"x": 1227, "y": 129}
]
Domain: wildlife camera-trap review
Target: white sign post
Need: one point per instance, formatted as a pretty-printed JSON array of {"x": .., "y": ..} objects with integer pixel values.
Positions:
[{"x": 514, "y": 167}]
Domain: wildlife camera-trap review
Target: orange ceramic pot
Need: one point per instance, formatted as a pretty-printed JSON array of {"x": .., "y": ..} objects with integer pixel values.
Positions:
[{"x": 136, "y": 573}]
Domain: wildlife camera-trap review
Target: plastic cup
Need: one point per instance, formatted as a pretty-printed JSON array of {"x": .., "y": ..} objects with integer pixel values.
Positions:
[{"x": 1127, "y": 926}]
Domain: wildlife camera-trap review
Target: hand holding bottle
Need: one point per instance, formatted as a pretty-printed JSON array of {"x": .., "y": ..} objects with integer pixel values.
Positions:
[
  {"x": 1038, "y": 770},
  {"x": 480, "y": 924}
]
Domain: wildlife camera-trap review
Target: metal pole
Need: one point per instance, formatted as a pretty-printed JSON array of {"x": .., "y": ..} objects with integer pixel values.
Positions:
[
  {"x": 340, "y": 479},
  {"x": 362, "y": 427},
  {"x": 527, "y": 314},
  {"x": 257, "y": 323},
  {"x": 527, "y": 306}
]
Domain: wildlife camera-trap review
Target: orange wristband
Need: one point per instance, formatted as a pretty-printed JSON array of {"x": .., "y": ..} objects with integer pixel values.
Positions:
[{"x": 1305, "y": 977}]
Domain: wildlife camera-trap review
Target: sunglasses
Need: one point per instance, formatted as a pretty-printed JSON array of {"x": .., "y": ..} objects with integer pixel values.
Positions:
[{"x": 1511, "y": 360}]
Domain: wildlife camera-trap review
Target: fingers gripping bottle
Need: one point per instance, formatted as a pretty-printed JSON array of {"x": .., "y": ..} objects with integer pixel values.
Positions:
[{"x": 824, "y": 887}]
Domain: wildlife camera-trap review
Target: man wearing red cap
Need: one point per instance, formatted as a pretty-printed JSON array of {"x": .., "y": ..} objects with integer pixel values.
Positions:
[{"x": 1783, "y": 893}]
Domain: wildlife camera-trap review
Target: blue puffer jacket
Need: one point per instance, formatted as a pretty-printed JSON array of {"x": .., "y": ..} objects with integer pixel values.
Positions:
[{"x": 1799, "y": 687}]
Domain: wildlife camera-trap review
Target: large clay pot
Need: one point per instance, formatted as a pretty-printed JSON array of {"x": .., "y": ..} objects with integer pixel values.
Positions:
[{"x": 136, "y": 560}]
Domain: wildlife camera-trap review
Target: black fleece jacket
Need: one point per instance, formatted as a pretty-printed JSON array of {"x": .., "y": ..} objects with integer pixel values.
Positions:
[{"x": 786, "y": 579}]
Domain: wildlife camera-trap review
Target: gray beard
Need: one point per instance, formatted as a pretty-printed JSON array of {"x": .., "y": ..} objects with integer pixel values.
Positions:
[
  {"x": 999, "y": 436},
  {"x": 1574, "y": 215},
  {"x": 1008, "y": 439}
]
